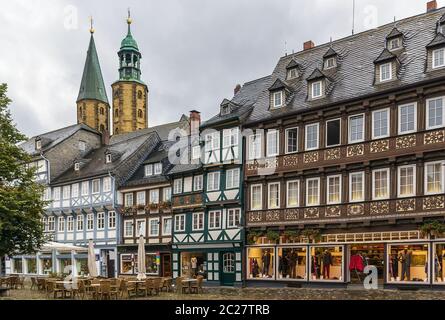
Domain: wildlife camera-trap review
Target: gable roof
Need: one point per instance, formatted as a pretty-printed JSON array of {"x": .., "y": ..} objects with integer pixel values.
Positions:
[
  {"x": 292, "y": 64},
  {"x": 394, "y": 34},
  {"x": 277, "y": 85},
  {"x": 385, "y": 56},
  {"x": 438, "y": 40},
  {"x": 330, "y": 53},
  {"x": 316, "y": 74}
]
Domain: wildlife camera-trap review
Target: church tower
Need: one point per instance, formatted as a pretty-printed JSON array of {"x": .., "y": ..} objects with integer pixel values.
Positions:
[
  {"x": 130, "y": 93},
  {"x": 93, "y": 108}
]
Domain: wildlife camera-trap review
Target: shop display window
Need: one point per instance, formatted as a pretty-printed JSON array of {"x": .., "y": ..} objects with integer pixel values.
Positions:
[
  {"x": 31, "y": 264},
  {"x": 326, "y": 263},
  {"x": 193, "y": 264},
  {"x": 126, "y": 264},
  {"x": 408, "y": 263},
  {"x": 18, "y": 265},
  {"x": 439, "y": 259},
  {"x": 47, "y": 265},
  {"x": 151, "y": 264},
  {"x": 82, "y": 266},
  {"x": 292, "y": 263},
  {"x": 260, "y": 263}
]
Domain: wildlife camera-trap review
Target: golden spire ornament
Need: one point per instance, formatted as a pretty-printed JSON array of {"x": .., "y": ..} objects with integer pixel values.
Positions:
[
  {"x": 129, "y": 20},
  {"x": 91, "y": 25}
]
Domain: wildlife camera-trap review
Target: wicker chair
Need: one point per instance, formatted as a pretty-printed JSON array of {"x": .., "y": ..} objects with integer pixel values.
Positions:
[
  {"x": 105, "y": 290},
  {"x": 33, "y": 283},
  {"x": 127, "y": 288},
  {"x": 197, "y": 286},
  {"x": 157, "y": 285},
  {"x": 20, "y": 282},
  {"x": 179, "y": 285},
  {"x": 167, "y": 284},
  {"x": 51, "y": 289}
]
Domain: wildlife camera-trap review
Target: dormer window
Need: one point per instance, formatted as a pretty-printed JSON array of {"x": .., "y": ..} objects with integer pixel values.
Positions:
[
  {"x": 158, "y": 168},
  {"x": 292, "y": 74},
  {"x": 330, "y": 59},
  {"x": 82, "y": 146},
  {"x": 38, "y": 144},
  {"x": 394, "y": 44},
  {"x": 316, "y": 90},
  {"x": 278, "y": 92},
  {"x": 329, "y": 63},
  {"x": 386, "y": 66},
  {"x": 386, "y": 72},
  {"x": 148, "y": 170},
  {"x": 225, "y": 110},
  {"x": 277, "y": 99},
  {"x": 394, "y": 40},
  {"x": 76, "y": 166},
  {"x": 108, "y": 158},
  {"x": 317, "y": 83},
  {"x": 436, "y": 52},
  {"x": 439, "y": 58}
]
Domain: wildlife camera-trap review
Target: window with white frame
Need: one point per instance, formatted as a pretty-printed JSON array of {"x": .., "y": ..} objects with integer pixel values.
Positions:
[
  {"x": 213, "y": 181},
  {"x": 79, "y": 223},
  {"x": 76, "y": 166},
  {"x": 255, "y": 146},
  {"x": 272, "y": 143},
  {"x": 356, "y": 186},
  {"x": 438, "y": 58},
  {"x": 329, "y": 63},
  {"x": 291, "y": 140},
  {"x": 313, "y": 192},
  {"x": 108, "y": 158},
  {"x": 128, "y": 228},
  {"x": 380, "y": 184},
  {"x": 154, "y": 227},
  {"x": 66, "y": 192},
  {"x": 230, "y": 137},
  {"x": 434, "y": 177},
  {"x": 408, "y": 118},
  {"x": 85, "y": 188},
  {"x": 51, "y": 224},
  {"x": 61, "y": 224},
  {"x": 386, "y": 72},
  {"x": 90, "y": 222},
  {"x": 212, "y": 141},
  {"x": 334, "y": 189},
  {"x": 158, "y": 168},
  {"x": 100, "y": 220},
  {"x": 70, "y": 224},
  {"x": 140, "y": 198},
  {"x": 293, "y": 194},
  {"x": 406, "y": 182},
  {"x": 166, "y": 226},
  {"x": 214, "y": 220},
  {"x": 140, "y": 228},
  {"x": 129, "y": 199},
  {"x": 435, "y": 115},
  {"x": 356, "y": 128},
  {"x": 256, "y": 197},
  {"x": 47, "y": 194},
  {"x": 333, "y": 133},
  {"x": 316, "y": 90},
  {"x": 96, "y": 186},
  {"x": 56, "y": 194},
  {"x": 177, "y": 186},
  {"x": 277, "y": 99},
  {"x": 75, "y": 190},
  {"x": 167, "y": 194},
  {"x": 198, "y": 221},
  {"x": 273, "y": 195},
  {"x": 380, "y": 124},
  {"x": 180, "y": 223},
  {"x": 148, "y": 170},
  {"x": 154, "y": 196},
  {"x": 233, "y": 218},
  {"x": 196, "y": 152},
  {"x": 394, "y": 44},
  {"x": 111, "y": 220},
  {"x": 197, "y": 183},
  {"x": 312, "y": 132},
  {"x": 232, "y": 178},
  {"x": 107, "y": 184},
  {"x": 292, "y": 73}
]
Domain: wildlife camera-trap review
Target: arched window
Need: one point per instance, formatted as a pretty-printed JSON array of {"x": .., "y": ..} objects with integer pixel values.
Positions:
[
  {"x": 140, "y": 113},
  {"x": 140, "y": 94}
]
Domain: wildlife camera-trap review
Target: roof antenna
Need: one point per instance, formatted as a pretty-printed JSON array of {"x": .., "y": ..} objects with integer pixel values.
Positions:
[
  {"x": 285, "y": 48},
  {"x": 353, "y": 16}
]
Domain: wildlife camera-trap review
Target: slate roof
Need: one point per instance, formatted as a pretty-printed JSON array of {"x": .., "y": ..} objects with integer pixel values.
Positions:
[
  {"x": 317, "y": 74},
  {"x": 394, "y": 34},
  {"x": 292, "y": 64},
  {"x": 354, "y": 77},
  {"x": 438, "y": 40},
  {"x": 385, "y": 56},
  {"x": 330, "y": 53},
  {"x": 53, "y": 138}
]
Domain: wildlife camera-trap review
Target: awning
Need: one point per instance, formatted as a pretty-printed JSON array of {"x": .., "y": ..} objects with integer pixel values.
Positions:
[{"x": 61, "y": 247}]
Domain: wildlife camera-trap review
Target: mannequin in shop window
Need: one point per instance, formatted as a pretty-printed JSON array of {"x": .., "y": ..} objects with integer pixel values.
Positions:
[
  {"x": 266, "y": 263},
  {"x": 405, "y": 259},
  {"x": 393, "y": 265},
  {"x": 293, "y": 261},
  {"x": 327, "y": 262},
  {"x": 315, "y": 265},
  {"x": 254, "y": 267},
  {"x": 194, "y": 265}
]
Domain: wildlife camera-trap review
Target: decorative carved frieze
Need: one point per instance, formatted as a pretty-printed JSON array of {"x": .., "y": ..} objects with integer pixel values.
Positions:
[
  {"x": 406, "y": 205},
  {"x": 291, "y": 214},
  {"x": 379, "y": 208},
  {"x": 310, "y": 213},
  {"x": 333, "y": 212},
  {"x": 434, "y": 202},
  {"x": 356, "y": 150},
  {"x": 406, "y": 142},
  {"x": 356, "y": 210},
  {"x": 332, "y": 154},
  {"x": 255, "y": 216},
  {"x": 434, "y": 137},
  {"x": 379, "y": 146},
  {"x": 311, "y": 157},
  {"x": 269, "y": 163},
  {"x": 273, "y": 215},
  {"x": 290, "y": 161}
]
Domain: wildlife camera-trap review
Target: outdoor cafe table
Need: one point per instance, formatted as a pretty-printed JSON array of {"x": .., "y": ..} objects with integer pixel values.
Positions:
[{"x": 188, "y": 283}]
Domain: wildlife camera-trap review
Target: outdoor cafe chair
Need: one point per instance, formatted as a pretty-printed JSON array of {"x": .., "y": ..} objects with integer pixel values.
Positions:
[
  {"x": 197, "y": 286},
  {"x": 34, "y": 283},
  {"x": 167, "y": 284},
  {"x": 179, "y": 286},
  {"x": 104, "y": 290},
  {"x": 51, "y": 289},
  {"x": 145, "y": 287},
  {"x": 20, "y": 282},
  {"x": 80, "y": 291},
  {"x": 157, "y": 285},
  {"x": 127, "y": 289}
]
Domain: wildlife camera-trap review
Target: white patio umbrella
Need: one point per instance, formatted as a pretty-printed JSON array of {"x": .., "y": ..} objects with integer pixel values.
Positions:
[
  {"x": 141, "y": 259},
  {"x": 92, "y": 269}
]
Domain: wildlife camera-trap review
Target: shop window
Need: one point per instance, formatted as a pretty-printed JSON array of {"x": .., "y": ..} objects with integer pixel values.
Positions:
[
  {"x": 261, "y": 263},
  {"x": 326, "y": 263},
  {"x": 151, "y": 265},
  {"x": 408, "y": 263},
  {"x": 46, "y": 265},
  {"x": 292, "y": 263},
  {"x": 193, "y": 264},
  {"x": 439, "y": 257},
  {"x": 126, "y": 264},
  {"x": 31, "y": 265},
  {"x": 82, "y": 266}
]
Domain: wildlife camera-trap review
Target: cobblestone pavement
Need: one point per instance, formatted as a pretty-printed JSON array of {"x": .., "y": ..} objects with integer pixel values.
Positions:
[{"x": 272, "y": 294}]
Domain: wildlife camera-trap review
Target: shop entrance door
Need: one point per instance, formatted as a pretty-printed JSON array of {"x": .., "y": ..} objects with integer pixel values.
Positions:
[
  {"x": 227, "y": 268},
  {"x": 370, "y": 255},
  {"x": 166, "y": 265}
]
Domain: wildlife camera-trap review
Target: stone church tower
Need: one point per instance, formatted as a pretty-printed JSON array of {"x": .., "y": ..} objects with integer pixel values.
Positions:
[
  {"x": 130, "y": 94},
  {"x": 93, "y": 108}
]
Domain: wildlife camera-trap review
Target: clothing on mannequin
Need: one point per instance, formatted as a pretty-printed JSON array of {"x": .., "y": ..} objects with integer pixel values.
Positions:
[
  {"x": 266, "y": 262},
  {"x": 327, "y": 262},
  {"x": 194, "y": 263},
  {"x": 405, "y": 259}
]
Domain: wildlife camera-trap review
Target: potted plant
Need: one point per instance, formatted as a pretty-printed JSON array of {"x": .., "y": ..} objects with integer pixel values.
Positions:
[
  {"x": 291, "y": 235},
  {"x": 432, "y": 229},
  {"x": 140, "y": 207},
  {"x": 253, "y": 236},
  {"x": 154, "y": 206},
  {"x": 312, "y": 234},
  {"x": 273, "y": 236}
]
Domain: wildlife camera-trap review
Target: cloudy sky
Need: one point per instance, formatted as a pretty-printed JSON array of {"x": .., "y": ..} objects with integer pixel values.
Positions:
[{"x": 194, "y": 51}]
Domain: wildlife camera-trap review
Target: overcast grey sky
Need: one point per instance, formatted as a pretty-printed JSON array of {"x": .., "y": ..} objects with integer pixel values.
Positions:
[{"x": 194, "y": 51}]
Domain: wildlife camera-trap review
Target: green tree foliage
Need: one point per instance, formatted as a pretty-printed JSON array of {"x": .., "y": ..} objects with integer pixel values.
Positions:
[{"x": 21, "y": 206}]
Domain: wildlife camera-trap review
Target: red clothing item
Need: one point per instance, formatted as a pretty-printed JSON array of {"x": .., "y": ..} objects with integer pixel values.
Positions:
[{"x": 356, "y": 263}]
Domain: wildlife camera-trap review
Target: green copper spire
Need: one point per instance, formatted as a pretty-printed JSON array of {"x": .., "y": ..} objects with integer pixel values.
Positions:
[
  {"x": 129, "y": 57},
  {"x": 92, "y": 86}
]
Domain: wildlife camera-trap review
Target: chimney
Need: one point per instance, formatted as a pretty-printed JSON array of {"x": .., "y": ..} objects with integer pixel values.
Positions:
[
  {"x": 308, "y": 45},
  {"x": 431, "y": 6},
  {"x": 237, "y": 89},
  {"x": 105, "y": 138},
  {"x": 195, "y": 122}
]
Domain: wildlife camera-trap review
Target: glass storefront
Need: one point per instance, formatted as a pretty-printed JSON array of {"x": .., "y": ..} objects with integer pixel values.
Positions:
[
  {"x": 193, "y": 264},
  {"x": 82, "y": 266},
  {"x": 126, "y": 264},
  {"x": 18, "y": 265},
  {"x": 152, "y": 263},
  {"x": 260, "y": 263},
  {"x": 326, "y": 263},
  {"x": 292, "y": 263},
  {"x": 439, "y": 259},
  {"x": 31, "y": 265},
  {"x": 408, "y": 263}
]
